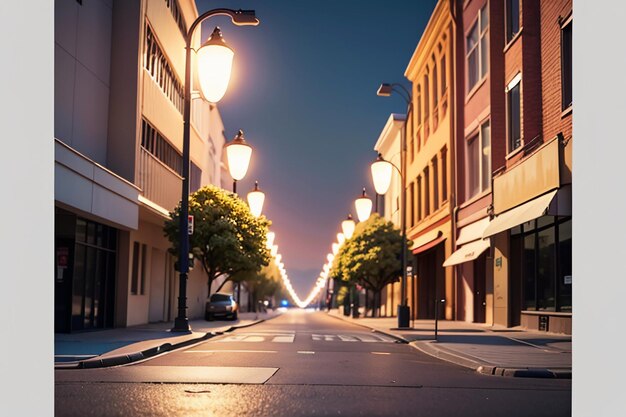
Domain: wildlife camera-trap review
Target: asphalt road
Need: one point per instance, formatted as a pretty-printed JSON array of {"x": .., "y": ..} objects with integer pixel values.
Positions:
[{"x": 299, "y": 364}]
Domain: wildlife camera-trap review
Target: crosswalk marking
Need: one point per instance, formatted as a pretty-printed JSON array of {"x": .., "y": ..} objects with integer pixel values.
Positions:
[
  {"x": 366, "y": 338},
  {"x": 259, "y": 337}
]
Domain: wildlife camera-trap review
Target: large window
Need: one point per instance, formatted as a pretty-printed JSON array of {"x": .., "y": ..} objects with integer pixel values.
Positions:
[
  {"x": 155, "y": 143},
  {"x": 514, "y": 116},
  {"x": 412, "y": 200},
  {"x": 435, "y": 82},
  {"x": 155, "y": 62},
  {"x": 566, "y": 65},
  {"x": 512, "y": 19},
  {"x": 426, "y": 98},
  {"x": 444, "y": 174},
  {"x": 419, "y": 105},
  {"x": 419, "y": 198},
  {"x": 477, "y": 50},
  {"x": 443, "y": 75},
  {"x": 545, "y": 257},
  {"x": 479, "y": 161}
]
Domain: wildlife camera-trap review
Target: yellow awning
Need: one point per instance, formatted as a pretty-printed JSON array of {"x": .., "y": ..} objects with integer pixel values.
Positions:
[
  {"x": 467, "y": 252},
  {"x": 530, "y": 210},
  {"x": 425, "y": 239}
]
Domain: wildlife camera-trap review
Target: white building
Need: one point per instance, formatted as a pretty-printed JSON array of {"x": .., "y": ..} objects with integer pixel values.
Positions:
[
  {"x": 119, "y": 71},
  {"x": 389, "y": 145}
]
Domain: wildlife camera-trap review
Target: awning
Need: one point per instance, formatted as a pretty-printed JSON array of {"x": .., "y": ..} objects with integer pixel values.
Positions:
[
  {"x": 467, "y": 252},
  {"x": 530, "y": 210},
  {"x": 426, "y": 241},
  {"x": 472, "y": 231}
]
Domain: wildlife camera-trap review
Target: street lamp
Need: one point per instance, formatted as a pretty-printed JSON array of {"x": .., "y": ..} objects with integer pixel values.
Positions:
[
  {"x": 363, "y": 206},
  {"x": 347, "y": 227},
  {"x": 256, "y": 198},
  {"x": 335, "y": 248},
  {"x": 381, "y": 172},
  {"x": 238, "y": 153},
  {"x": 214, "y": 54},
  {"x": 341, "y": 238}
]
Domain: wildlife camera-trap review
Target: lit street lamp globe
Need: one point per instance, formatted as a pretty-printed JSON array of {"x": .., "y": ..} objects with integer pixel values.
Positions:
[
  {"x": 347, "y": 227},
  {"x": 215, "y": 61},
  {"x": 335, "y": 247},
  {"x": 256, "y": 198},
  {"x": 341, "y": 238},
  {"x": 363, "y": 206},
  {"x": 381, "y": 174},
  {"x": 238, "y": 154}
]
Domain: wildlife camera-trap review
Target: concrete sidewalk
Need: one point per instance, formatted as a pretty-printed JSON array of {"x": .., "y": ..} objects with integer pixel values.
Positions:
[
  {"x": 102, "y": 348},
  {"x": 486, "y": 349}
]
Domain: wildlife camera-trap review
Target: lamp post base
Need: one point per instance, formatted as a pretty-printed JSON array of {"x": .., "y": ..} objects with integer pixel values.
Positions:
[
  {"x": 404, "y": 313},
  {"x": 181, "y": 325}
]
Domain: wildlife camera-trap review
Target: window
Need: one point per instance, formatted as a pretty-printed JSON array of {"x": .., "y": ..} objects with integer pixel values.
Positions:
[
  {"x": 444, "y": 174},
  {"x": 195, "y": 177},
  {"x": 412, "y": 200},
  {"x": 155, "y": 143},
  {"x": 435, "y": 94},
  {"x": 512, "y": 19},
  {"x": 479, "y": 161},
  {"x": 155, "y": 62},
  {"x": 138, "y": 277},
  {"x": 412, "y": 148},
  {"x": 419, "y": 198},
  {"x": 435, "y": 184},
  {"x": 514, "y": 114},
  {"x": 443, "y": 75},
  {"x": 477, "y": 50},
  {"x": 566, "y": 65},
  {"x": 419, "y": 105},
  {"x": 426, "y": 98},
  {"x": 177, "y": 15},
  {"x": 426, "y": 192}
]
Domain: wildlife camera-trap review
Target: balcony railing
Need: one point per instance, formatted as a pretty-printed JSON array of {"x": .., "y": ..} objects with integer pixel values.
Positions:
[{"x": 159, "y": 183}]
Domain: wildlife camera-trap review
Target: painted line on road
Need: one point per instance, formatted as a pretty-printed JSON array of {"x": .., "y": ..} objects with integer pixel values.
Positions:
[
  {"x": 306, "y": 352},
  {"x": 381, "y": 353},
  {"x": 231, "y": 351}
]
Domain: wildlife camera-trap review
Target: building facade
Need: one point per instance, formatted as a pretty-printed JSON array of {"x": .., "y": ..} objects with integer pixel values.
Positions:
[
  {"x": 389, "y": 145},
  {"x": 489, "y": 164},
  {"x": 119, "y": 67},
  {"x": 430, "y": 183}
]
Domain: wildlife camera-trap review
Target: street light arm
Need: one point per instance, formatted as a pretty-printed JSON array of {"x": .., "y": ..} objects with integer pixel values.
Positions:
[
  {"x": 408, "y": 96},
  {"x": 238, "y": 17}
]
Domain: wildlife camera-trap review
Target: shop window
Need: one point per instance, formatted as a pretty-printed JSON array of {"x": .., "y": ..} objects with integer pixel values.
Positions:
[{"x": 564, "y": 277}]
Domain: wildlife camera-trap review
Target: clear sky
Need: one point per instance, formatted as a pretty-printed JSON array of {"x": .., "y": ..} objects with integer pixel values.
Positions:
[{"x": 303, "y": 90}]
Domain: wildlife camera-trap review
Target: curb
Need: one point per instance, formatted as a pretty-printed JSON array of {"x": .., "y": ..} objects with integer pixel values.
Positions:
[
  {"x": 148, "y": 353},
  {"x": 399, "y": 339},
  {"x": 482, "y": 368}
]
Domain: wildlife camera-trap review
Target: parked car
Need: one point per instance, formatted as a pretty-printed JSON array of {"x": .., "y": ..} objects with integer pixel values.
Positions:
[{"x": 221, "y": 305}]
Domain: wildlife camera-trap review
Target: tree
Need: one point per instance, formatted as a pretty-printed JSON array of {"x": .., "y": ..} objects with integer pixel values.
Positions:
[
  {"x": 371, "y": 257},
  {"x": 227, "y": 238}
]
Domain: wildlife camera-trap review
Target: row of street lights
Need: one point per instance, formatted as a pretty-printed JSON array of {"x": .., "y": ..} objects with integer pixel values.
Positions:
[{"x": 214, "y": 59}]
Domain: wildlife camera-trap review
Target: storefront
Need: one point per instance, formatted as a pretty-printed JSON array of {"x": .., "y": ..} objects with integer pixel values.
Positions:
[{"x": 85, "y": 265}]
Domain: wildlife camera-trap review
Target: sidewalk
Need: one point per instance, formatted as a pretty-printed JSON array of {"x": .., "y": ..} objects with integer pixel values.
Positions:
[
  {"x": 101, "y": 348},
  {"x": 488, "y": 350}
]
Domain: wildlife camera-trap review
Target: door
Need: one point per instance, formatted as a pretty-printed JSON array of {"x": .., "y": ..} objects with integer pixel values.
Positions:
[{"x": 480, "y": 286}]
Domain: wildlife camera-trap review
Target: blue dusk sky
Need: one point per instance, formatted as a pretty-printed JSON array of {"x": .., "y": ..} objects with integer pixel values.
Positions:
[{"x": 303, "y": 90}]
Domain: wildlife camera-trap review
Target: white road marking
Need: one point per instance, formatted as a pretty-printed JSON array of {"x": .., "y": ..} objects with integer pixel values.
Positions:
[
  {"x": 381, "y": 353},
  {"x": 230, "y": 351},
  {"x": 259, "y": 337},
  {"x": 351, "y": 338},
  {"x": 306, "y": 352}
]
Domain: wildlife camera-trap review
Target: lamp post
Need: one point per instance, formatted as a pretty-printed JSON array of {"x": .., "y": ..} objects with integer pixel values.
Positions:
[
  {"x": 215, "y": 63},
  {"x": 381, "y": 171}
]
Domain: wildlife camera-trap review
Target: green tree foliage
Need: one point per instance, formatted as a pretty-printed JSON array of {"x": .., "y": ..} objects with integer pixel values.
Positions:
[
  {"x": 371, "y": 257},
  {"x": 227, "y": 238}
]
